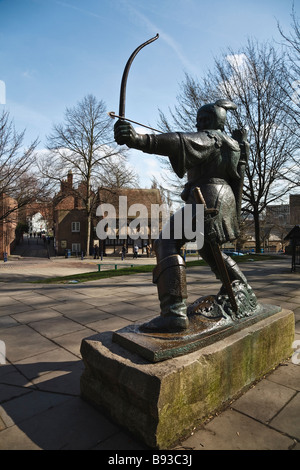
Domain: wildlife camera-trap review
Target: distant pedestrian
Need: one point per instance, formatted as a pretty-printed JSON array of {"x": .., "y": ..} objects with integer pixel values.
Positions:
[
  {"x": 123, "y": 252},
  {"x": 96, "y": 252},
  {"x": 135, "y": 251},
  {"x": 148, "y": 250}
]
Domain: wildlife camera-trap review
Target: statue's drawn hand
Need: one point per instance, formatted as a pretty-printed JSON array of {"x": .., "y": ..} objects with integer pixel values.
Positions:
[{"x": 124, "y": 133}]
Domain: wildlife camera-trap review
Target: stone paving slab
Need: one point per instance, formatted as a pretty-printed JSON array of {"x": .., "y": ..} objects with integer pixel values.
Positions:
[
  {"x": 13, "y": 309},
  {"x": 13, "y": 438},
  {"x": 57, "y": 326},
  {"x": 8, "y": 392},
  {"x": 10, "y": 375},
  {"x": 128, "y": 311},
  {"x": 89, "y": 315},
  {"x": 71, "y": 424},
  {"x": 264, "y": 401},
  {"x": 287, "y": 374},
  {"x": 7, "y": 321},
  {"x": 235, "y": 431},
  {"x": 30, "y": 404},
  {"x": 287, "y": 420},
  {"x": 64, "y": 382},
  {"x": 21, "y": 341},
  {"x": 34, "y": 367},
  {"x": 35, "y": 315},
  {"x": 110, "y": 324},
  {"x": 71, "y": 342}
]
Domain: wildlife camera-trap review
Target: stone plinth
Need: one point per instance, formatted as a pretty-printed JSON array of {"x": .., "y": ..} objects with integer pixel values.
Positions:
[
  {"x": 202, "y": 331},
  {"x": 162, "y": 402}
]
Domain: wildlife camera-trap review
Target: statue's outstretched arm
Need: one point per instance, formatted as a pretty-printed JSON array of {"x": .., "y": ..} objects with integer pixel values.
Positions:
[{"x": 162, "y": 144}]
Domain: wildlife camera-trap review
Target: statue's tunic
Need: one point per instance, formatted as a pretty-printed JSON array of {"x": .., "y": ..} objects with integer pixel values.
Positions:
[{"x": 210, "y": 159}]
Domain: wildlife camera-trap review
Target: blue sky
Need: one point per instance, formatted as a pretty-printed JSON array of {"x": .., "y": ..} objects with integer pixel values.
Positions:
[{"x": 54, "y": 52}]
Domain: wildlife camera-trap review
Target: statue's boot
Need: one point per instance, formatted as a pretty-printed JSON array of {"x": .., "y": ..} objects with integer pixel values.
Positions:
[
  {"x": 234, "y": 272},
  {"x": 250, "y": 303},
  {"x": 170, "y": 277}
]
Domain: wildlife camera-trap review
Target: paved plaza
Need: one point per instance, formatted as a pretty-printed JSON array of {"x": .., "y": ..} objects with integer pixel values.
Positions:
[{"x": 41, "y": 328}]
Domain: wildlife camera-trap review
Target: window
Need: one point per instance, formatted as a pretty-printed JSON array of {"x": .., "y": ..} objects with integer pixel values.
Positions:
[
  {"x": 75, "y": 226},
  {"x": 76, "y": 248}
]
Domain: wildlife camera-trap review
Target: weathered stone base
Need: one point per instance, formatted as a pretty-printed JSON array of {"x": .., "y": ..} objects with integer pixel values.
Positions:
[
  {"x": 162, "y": 402},
  {"x": 202, "y": 331}
]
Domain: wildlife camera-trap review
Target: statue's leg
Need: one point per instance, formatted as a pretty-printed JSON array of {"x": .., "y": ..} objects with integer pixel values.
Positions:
[
  {"x": 234, "y": 272},
  {"x": 170, "y": 277}
]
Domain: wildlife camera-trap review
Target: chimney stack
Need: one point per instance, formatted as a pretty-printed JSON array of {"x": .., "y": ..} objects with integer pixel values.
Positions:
[{"x": 70, "y": 179}]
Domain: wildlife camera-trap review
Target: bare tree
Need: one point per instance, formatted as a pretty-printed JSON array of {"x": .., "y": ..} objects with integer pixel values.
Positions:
[
  {"x": 292, "y": 49},
  {"x": 17, "y": 177},
  {"x": 82, "y": 144},
  {"x": 117, "y": 174},
  {"x": 250, "y": 78},
  {"x": 165, "y": 193},
  {"x": 292, "y": 43}
]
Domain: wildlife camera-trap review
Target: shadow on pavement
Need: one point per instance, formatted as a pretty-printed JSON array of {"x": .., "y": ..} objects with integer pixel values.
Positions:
[
  {"x": 34, "y": 247},
  {"x": 42, "y": 400}
]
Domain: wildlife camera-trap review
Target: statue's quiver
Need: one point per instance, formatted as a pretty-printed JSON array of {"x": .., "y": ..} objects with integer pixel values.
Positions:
[{"x": 240, "y": 135}]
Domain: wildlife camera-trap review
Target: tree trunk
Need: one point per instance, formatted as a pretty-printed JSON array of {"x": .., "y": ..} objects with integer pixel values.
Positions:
[
  {"x": 257, "y": 231},
  {"x": 88, "y": 234},
  {"x": 88, "y": 213}
]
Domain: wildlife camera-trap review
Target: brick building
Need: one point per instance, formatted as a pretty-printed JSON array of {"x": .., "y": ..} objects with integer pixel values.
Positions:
[
  {"x": 294, "y": 209},
  {"x": 278, "y": 221},
  {"x": 38, "y": 215},
  {"x": 70, "y": 220},
  {"x": 147, "y": 198}
]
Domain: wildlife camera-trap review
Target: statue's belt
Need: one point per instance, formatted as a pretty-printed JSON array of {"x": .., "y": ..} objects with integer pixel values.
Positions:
[
  {"x": 200, "y": 181},
  {"x": 190, "y": 185}
]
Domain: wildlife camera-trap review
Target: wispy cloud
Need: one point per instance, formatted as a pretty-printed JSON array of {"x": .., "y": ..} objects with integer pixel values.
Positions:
[
  {"x": 164, "y": 36},
  {"x": 2, "y": 92},
  {"x": 81, "y": 10},
  {"x": 176, "y": 48},
  {"x": 28, "y": 74},
  {"x": 237, "y": 60},
  {"x": 238, "y": 64}
]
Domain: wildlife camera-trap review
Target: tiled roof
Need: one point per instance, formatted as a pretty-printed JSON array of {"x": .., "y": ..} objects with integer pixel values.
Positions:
[{"x": 134, "y": 196}]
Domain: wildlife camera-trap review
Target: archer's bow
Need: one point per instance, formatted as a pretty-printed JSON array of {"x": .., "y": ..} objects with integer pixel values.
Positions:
[
  {"x": 125, "y": 75},
  {"x": 123, "y": 87}
]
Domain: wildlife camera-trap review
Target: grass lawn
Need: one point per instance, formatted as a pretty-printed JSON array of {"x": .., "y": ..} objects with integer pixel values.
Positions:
[{"x": 95, "y": 275}]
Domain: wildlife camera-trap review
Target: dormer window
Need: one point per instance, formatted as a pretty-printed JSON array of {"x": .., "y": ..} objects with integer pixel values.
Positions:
[{"x": 75, "y": 227}]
